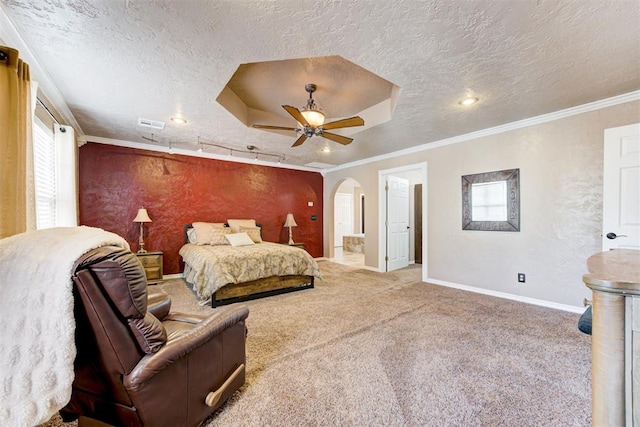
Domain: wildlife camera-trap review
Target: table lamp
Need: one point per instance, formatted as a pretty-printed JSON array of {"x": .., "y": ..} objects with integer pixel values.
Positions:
[
  {"x": 142, "y": 217},
  {"x": 290, "y": 222}
]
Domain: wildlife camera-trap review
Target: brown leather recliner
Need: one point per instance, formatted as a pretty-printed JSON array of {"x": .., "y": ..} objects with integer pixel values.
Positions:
[{"x": 133, "y": 369}]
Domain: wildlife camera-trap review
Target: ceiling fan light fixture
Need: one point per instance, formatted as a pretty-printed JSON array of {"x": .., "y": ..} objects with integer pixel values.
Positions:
[
  {"x": 310, "y": 121},
  {"x": 311, "y": 113},
  {"x": 314, "y": 117}
]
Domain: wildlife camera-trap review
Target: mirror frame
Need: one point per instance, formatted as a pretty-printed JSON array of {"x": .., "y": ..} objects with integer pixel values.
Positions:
[{"x": 512, "y": 176}]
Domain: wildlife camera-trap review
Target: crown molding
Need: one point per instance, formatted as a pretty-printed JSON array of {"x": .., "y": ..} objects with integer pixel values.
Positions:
[
  {"x": 12, "y": 38},
  {"x": 162, "y": 149},
  {"x": 544, "y": 118}
]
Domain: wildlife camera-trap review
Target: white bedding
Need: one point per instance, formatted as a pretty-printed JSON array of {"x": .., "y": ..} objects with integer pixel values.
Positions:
[
  {"x": 37, "y": 347},
  {"x": 209, "y": 267}
]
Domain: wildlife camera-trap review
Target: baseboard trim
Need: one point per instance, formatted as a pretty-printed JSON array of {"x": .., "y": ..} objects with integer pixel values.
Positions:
[{"x": 505, "y": 295}]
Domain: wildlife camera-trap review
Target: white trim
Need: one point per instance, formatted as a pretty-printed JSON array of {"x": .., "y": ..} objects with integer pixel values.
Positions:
[
  {"x": 519, "y": 298},
  {"x": 162, "y": 149},
  {"x": 173, "y": 276},
  {"x": 382, "y": 218},
  {"x": 544, "y": 118},
  {"x": 382, "y": 174},
  {"x": 12, "y": 38}
]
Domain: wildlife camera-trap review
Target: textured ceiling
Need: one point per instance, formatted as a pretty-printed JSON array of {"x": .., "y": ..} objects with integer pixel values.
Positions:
[{"x": 114, "y": 61}]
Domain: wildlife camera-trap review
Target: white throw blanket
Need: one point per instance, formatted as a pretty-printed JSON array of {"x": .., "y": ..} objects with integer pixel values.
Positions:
[{"x": 37, "y": 347}]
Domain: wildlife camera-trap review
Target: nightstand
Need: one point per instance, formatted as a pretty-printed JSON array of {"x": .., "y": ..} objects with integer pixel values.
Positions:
[
  {"x": 152, "y": 264},
  {"x": 297, "y": 245}
]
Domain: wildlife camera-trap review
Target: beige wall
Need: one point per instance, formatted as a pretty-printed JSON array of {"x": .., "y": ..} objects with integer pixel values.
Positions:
[{"x": 561, "y": 206}]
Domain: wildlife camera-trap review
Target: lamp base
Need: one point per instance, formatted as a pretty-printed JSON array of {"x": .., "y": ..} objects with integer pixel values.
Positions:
[
  {"x": 142, "y": 250},
  {"x": 290, "y": 237}
]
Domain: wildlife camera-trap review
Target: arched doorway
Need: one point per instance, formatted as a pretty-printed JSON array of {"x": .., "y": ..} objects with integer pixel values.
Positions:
[{"x": 348, "y": 223}]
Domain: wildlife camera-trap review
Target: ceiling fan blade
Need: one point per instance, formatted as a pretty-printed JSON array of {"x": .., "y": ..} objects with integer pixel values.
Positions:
[
  {"x": 344, "y": 123},
  {"x": 300, "y": 140},
  {"x": 337, "y": 138},
  {"x": 272, "y": 127},
  {"x": 296, "y": 114}
]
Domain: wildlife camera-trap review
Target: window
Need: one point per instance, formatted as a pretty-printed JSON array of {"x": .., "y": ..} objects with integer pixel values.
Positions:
[
  {"x": 489, "y": 201},
  {"x": 55, "y": 174},
  {"x": 44, "y": 164}
]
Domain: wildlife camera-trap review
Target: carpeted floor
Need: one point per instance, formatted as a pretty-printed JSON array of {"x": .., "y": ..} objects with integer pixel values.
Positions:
[{"x": 372, "y": 349}]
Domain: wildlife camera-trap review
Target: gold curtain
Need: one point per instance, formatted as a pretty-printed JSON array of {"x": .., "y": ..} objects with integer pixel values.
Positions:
[{"x": 16, "y": 199}]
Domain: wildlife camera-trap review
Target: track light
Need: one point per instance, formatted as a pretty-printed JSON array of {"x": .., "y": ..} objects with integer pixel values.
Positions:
[{"x": 252, "y": 150}]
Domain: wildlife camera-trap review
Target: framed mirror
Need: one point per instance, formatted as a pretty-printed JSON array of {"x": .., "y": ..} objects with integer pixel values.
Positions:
[{"x": 491, "y": 201}]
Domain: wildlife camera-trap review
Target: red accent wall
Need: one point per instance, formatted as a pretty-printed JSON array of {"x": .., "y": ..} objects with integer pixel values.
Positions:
[{"x": 176, "y": 190}]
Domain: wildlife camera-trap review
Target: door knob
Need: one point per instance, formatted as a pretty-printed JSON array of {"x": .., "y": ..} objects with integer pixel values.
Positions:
[{"x": 612, "y": 236}]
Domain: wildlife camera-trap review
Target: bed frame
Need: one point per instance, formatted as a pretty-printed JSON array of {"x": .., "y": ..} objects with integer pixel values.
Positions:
[{"x": 268, "y": 286}]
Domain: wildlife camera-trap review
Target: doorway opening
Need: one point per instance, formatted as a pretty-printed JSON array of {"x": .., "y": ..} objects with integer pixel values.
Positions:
[
  {"x": 348, "y": 224},
  {"x": 402, "y": 228}
]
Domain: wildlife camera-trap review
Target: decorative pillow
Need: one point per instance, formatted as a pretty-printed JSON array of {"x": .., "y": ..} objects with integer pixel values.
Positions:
[
  {"x": 217, "y": 236},
  {"x": 239, "y": 239},
  {"x": 235, "y": 224},
  {"x": 253, "y": 232},
  {"x": 208, "y": 233},
  {"x": 191, "y": 235},
  {"x": 211, "y": 224}
]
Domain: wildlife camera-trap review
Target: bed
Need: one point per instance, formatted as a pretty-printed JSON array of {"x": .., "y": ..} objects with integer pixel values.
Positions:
[{"x": 225, "y": 273}]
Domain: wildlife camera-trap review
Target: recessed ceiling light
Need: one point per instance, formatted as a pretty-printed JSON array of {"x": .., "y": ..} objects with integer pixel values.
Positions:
[
  {"x": 326, "y": 150},
  {"x": 178, "y": 120},
  {"x": 469, "y": 101}
]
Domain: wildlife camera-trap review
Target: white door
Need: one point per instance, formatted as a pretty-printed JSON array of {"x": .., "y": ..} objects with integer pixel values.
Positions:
[
  {"x": 621, "y": 193},
  {"x": 342, "y": 217},
  {"x": 397, "y": 223}
]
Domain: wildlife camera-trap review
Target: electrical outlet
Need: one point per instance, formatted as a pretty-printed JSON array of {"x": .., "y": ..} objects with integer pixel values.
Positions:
[{"x": 521, "y": 277}]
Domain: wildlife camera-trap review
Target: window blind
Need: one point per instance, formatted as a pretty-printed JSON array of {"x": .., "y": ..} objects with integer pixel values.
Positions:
[
  {"x": 45, "y": 174},
  {"x": 489, "y": 201}
]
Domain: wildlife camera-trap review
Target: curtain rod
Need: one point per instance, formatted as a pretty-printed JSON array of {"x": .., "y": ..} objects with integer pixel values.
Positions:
[{"x": 47, "y": 110}]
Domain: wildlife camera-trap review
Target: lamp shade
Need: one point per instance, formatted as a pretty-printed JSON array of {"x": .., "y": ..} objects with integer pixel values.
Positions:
[
  {"x": 142, "y": 216},
  {"x": 290, "y": 222},
  {"x": 314, "y": 117}
]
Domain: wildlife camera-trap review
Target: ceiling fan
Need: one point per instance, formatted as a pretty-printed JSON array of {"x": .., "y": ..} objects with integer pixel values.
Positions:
[{"x": 311, "y": 118}]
